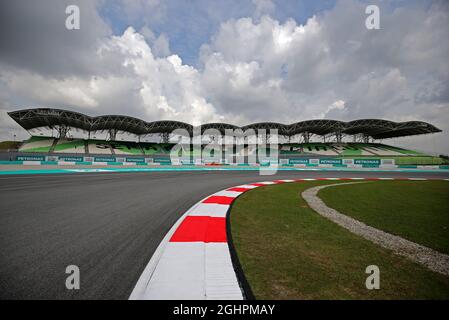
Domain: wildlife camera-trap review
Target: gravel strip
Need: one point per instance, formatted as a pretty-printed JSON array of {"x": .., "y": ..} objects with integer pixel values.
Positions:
[{"x": 434, "y": 260}]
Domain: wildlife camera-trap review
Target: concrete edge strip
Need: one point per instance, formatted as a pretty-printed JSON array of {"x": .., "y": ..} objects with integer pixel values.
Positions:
[
  {"x": 142, "y": 283},
  {"x": 196, "y": 259},
  {"x": 431, "y": 259}
]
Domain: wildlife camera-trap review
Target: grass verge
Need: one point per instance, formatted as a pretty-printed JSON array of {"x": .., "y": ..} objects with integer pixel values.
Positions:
[
  {"x": 288, "y": 251},
  {"x": 415, "y": 210}
]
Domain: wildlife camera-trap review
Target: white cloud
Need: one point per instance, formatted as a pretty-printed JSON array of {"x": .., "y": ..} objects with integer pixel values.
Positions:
[
  {"x": 338, "y": 105},
  {"x": 260, "y": 69},
  {"x": 287, "y": 72}
]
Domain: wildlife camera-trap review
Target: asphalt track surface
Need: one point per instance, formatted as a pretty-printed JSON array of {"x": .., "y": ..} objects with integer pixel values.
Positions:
[{"x": 108, "y": 224}]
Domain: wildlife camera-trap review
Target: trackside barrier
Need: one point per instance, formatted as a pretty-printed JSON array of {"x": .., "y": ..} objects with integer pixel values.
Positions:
[
  {"x": 387, "y": 162},
  {"x": 11, "y": 162},
  {"x": 95, "y": 163},
  {"x": 104, "y": 159},
  {"x": 368, "y": 162},
  {"x": 339, "y": 161},
  {"x": 31, "y": 163},
  {"x": 66, "y": 163},
  {"x": 70, "y": 159},
  {"x": 428, "y": 167},
  {"x": 135, "y": 160},
  {"x": 327, "y": 161},
  {"x": 30, "y": 158},
  {"x": 354, "y": 166},
  {"x": 296, "y": 163}
]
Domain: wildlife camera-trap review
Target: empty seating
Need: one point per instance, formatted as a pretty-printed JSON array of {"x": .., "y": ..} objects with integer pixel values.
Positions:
[
  {"x": 70, "y": 146},
  {"x": 99, "y": 147},
  {"x": 37, "y": 144},
  {"x": 156, "y": 148},
  {"x": 78, "y": 146},
  {"x": 130, "y": 148}
]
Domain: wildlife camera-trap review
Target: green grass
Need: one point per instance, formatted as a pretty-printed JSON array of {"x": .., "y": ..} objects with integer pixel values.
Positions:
[
  {"x": 408, "y": 160},
  {"x": 4, "y": 145},
  {"x": 288, "y": 251},
  {"x": 415, "y": 210}
]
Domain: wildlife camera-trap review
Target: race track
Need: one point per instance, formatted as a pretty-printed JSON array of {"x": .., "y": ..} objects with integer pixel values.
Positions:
[{"x": 108, "y": 224}]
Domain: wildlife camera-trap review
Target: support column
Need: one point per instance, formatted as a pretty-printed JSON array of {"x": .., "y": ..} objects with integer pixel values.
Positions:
[
  {"x": 165, "y": 136},
  {"x": 112, "y": 134},
  {"x": 62, "y": 131},
  {"x": 306, "y": 137},
  {"x": 365, "y": 138},
  {"x": 338, "y": 136}
]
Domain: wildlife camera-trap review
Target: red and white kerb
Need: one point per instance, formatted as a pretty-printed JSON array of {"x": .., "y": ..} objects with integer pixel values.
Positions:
[{"x": 193, "y": 262}]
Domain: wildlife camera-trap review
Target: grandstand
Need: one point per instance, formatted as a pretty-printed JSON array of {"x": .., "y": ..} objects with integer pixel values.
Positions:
[
  {"x": 69, "y": 146},
  {"x": 298, "y": 137},
  {"x": 98, "y": 147},
  {"x": 37, "y": 144}
]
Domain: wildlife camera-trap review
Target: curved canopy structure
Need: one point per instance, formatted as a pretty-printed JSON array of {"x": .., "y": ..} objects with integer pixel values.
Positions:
[{"x": 374, "y": 128}]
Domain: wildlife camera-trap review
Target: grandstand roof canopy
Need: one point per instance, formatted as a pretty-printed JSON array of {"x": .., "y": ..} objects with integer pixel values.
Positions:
[{"x": 375, "y": 128}]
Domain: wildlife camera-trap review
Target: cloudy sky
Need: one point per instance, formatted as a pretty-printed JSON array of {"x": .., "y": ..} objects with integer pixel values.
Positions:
[{"x": 236, "y": 61}]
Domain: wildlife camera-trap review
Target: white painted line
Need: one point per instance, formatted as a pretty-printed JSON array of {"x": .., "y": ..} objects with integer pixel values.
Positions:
[
  {"x": 99, "y": 163},
  {"x": 179, "y": 273},
  {"x": 220, "y": 279},
  {"x": 89, "y": 170},
  {"x": 232, "y": 194},
  {"x": 138, "y": 292},
  {"x": 31, "y": 163},
  {"x": 66, "y": 163},
  {"x": 209, "y": 209},
  {"x": 246, "y": 186}
]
